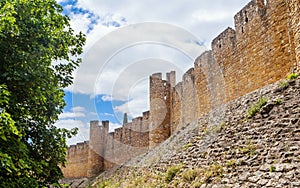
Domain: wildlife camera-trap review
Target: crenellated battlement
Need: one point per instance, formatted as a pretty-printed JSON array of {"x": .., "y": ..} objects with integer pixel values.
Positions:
[
  {"x": 188, "y": 75},
  {"x": 171, "y": 78},
  {"x": 80, "y": 147},
  {"x": 253, "y": 12},
  {"x": 225, "y": 40},
  {"x": 262, "y": 48},
  {"x": 157, "y": 75}
]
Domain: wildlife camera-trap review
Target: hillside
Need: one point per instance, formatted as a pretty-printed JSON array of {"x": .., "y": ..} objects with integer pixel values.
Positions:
[{"x": 239, "y": 148}]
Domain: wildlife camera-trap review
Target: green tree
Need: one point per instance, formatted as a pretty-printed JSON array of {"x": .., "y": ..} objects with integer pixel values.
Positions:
[{"x": 38, "y": 53}]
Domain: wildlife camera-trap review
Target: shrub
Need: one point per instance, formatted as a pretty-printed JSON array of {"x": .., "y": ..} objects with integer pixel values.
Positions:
[
  {"x": 188, "y": 145},
  {"x": 189, "y": 175},
  {"x": 171, "y": 172},
  {"x": 103, "y": 184},
  {"x": 292, "y": 76},
  {"x": 272, "y": 168},
  {"x": 223, "y": 125},
  {"x": 212, "y": 129},
  {"x": 231, "y": 163},
  {"x": 197, "y": 183},
  {"x": 256, "y": 107},
  {"x": 249, "y": 148},
  {"x": 278, "y": 101},
  {"x": 214, "y": 170},
  {"x": 283, "y": 84}
]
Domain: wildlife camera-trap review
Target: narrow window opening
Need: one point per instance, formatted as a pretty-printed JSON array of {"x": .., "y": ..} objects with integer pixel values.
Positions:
[
  {"x": 130, "y": 136},
  {"x": 246, "y": 17}
]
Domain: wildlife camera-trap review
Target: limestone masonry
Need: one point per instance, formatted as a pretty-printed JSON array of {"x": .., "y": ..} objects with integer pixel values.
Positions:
[{"x": 262, "y": 49}]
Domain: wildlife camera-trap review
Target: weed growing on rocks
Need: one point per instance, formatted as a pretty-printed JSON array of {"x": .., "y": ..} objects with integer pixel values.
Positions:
[
  {"x": 190, "y": 175},
  {"x": 292, "y": 76},
  {"x": 171, "y": 172},
  {"x": 188, "y": 145},
  {"x": 278, "y": 101},
  {"x": 248, "y": 149},
  {"x": 214, "y": 170},
  {"x": 256, "y": 107},
  {"x": 283, "y": 85},
  {"x": 272, "y": 168}
]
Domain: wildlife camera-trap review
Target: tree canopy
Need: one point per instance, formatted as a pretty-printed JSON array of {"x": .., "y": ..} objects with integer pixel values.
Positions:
[{"x": 38, "y": 53}]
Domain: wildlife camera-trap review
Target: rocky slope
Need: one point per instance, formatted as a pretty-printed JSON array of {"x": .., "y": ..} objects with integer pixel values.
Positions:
[{"x": 253, "y": 141}]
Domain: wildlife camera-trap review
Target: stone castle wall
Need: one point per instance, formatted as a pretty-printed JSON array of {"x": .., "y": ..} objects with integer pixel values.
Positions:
[
  {"x": 77, "y": 154},
  {"x": 105, "y": 150},
  {"x": 263, "y": 48}
]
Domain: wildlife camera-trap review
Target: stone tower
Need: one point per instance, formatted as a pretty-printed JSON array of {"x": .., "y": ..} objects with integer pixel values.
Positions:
[
  {"x": 160, "y": 108},
  {"x": 125, "y": 119},
  {"x": 97, "y": 143}
]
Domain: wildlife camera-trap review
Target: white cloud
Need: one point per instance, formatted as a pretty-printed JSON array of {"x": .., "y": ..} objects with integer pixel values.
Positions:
[
  {"x": 83, "y": 130},
  {"x": 93, "y": 114},
  {"x": 78, "y": 109},
  {"x": 208, "y": 16},
  {"x": 134, "y": 108},
  {"x": 107, "y": 114},
  {"x": 129, "y": 50},
  {"x": 111, "y": 50},
  {"x": 202, "y": 18},
  {"x": 60, "y": 1},
  {"x": 129, "y": 40},
  {"x": 71, "y": 115},
  {"x": 80, "y": 22},
  {"x": 113, "y": 126},
  {"x": 174, "y": 12},
  {"x": 76, "y": 112}
]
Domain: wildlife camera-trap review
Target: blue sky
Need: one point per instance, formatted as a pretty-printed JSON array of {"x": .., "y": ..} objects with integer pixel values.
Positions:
[{"x": 126, "y": 42}]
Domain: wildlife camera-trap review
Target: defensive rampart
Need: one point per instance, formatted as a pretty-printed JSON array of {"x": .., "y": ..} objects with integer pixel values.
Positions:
[{"x": 262, "y": 49}]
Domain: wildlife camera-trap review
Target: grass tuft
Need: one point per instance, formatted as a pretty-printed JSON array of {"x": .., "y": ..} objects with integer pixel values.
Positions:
[{"x": 256, "y": 107}]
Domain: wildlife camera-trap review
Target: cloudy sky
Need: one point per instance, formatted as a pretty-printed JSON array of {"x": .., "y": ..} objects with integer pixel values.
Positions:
[{"x": 126, "y": 42}]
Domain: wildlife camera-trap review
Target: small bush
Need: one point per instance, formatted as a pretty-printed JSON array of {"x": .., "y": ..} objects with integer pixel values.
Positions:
[
  {"x": 171, "y": 172},
  {"x": 278, "y": 101},
  {"x": 103, "y": 184},
  {"x": 292, "y": 76},
  {"x": 189, "y": 175},
  {"x": 188, "y": 145},
  {"x": 212, "y": 129},
  {"x": 231, "y": 163},
  {"x": 223, "y": 125},
  {"x": 272, "y": 168},
  {"x": 197, "y": 183},
  {"x": 249, "y": 148},
  {"x": 283, "y": 84},
  {"x": 213, "y": 171},
  {"x": 256, "y": 107}
]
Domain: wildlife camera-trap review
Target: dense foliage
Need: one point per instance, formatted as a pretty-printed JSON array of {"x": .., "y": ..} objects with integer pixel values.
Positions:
[{"x": 34, "y": 37}]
